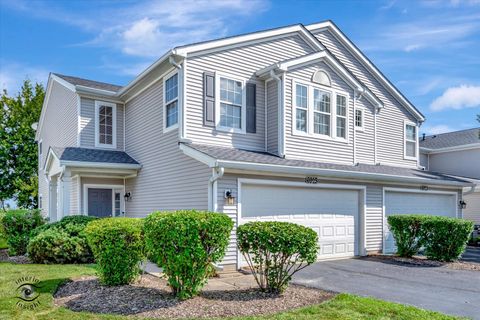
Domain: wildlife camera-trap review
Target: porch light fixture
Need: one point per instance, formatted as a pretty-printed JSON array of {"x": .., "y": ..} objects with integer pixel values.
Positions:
[
  {"x": 229, "y": 197},
  {"x": 127, "y": 196},
  {"x": 463, "y": 204}
]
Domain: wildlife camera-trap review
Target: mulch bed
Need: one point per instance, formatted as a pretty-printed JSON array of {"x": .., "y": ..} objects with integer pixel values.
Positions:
[
  {"x": 424, "y": 262},
  {"x": 4, "y": 257},
  {"x": 151, "y": 297}
]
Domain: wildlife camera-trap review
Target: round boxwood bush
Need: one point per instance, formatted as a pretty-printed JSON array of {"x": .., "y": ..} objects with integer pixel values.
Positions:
[
  {"x": 17, "y": 225},
  {"x": 407, "y": 232},
  {"x": 63, "y": 241},
  {"x": 446, "y": 238},
  {"x": 118, "y": 248},
  {"x": 185, "y": 243},
  {"x": 275, "y": 251}
]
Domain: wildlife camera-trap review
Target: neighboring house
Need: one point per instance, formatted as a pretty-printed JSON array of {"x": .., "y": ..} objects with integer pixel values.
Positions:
[
  {"x": 289, "y": 124},
  {"x": 456, "y": 153}
]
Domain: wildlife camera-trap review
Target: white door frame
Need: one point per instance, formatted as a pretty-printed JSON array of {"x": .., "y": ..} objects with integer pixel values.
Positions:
[
  {"x": 113, "y": 187},
  {"x": 406, "y": 190},
  {"x": 361, "y": 236}
]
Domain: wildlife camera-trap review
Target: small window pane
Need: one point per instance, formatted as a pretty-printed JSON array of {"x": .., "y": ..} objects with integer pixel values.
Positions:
[
  {"x": 301, "y": 120},
  {"x": 231, "y": 91},
  {"x": 172, "y": 114},
  {"x": 410, "y": 132},
  {"x": 341, "y": 106},
  {"x": 230, "y": 116},
  {"x": 171, "y": 88},
  {"x": 358, "y": 118},
  {"x": 410, "y": 149},
  {"x": 301, "y": 96},
  {"x": 105, "y": 124},
  {"x": 341, "y": 127},
  {"x": 321, "y": 101},
  {"x": 321, "y": 123}
]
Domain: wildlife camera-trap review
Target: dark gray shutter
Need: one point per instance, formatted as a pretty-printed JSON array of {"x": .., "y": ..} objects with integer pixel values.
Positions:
[
  {"x": 251, "y": 108},
  {"x": 209, "y": 99}
]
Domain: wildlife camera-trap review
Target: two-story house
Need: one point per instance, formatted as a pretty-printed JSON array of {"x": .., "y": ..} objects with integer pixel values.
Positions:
[
  {"x": 456, "y": 153},
  {"x": 289, "y": 124}
]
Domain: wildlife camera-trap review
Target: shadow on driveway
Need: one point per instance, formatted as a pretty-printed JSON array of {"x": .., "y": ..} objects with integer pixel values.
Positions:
[{"x": 472, "y": 254}]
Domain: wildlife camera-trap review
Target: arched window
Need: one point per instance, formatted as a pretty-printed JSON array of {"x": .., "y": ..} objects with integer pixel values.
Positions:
[{"x": 321, "y": 77}]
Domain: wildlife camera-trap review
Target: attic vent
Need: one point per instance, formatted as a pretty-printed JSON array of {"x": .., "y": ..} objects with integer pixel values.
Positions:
[{"x": 321, "y": 77}]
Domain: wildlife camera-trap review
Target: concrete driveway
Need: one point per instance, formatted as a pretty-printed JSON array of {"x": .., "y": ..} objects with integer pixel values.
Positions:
[
  {"x": 472, "y": 254},
  {"x": 455, "y": 292}
]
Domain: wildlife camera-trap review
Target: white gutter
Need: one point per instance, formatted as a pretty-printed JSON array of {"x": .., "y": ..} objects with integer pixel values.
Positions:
[
  {"x": 217, "y": 173},
  {"x": 85, "y": 164}
]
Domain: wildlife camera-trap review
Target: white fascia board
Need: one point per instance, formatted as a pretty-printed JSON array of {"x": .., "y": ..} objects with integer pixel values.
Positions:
[
  {"x": 450, "y": 149},
  {"x": 199, "y": 156},
  {"x": 333, "y": 173},
  {"x": 83, "y": 89},
  {"x": 339, "y": 35},
  {"x": 242, "y": 39},
  {"x": 106, "y": 165},
  {"x": 50, "y": 156}
]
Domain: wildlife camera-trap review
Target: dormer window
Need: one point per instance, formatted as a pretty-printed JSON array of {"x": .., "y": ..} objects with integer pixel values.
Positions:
[
  {"x": 105, "y": 124},
  {"x": 410, "y": 147}
]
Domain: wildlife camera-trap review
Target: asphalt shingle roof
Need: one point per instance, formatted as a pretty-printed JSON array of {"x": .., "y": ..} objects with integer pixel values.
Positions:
[
  {"x": 89, "y": 83},
  {"x": 93, "y": 155},
  {"x": 451, "y": 139},
  {"x": 231, "y": 154}
]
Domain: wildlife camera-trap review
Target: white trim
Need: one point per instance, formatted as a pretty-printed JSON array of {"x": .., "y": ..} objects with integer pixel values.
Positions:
[
  {"x": 365, "y": 62},
  {"x": 412, "y": 124},
  {"x": 362, "y": 110},
  {"x": 197, "y": 155},
  {"x": 243, "y": 123},
  {"x": 406, "y": 190},
  {"x": 79, "y": 119},
  {"x": 450, "y": 149},
  {"x": 165, "y": 102},
  {"x": 184, "y": 104},
  {"x": 100, "y": 186},
  {"x": 107, "y": 165},
  {"x": 361, "y": 215},
  {"x": 98, "y": 104}
]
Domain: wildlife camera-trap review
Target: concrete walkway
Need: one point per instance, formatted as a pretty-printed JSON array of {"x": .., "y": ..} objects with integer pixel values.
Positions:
[{"x": 455, "y": 292}]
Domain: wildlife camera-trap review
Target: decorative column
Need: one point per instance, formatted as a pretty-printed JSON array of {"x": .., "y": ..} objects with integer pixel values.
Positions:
[{"x": 52, "y": 199}]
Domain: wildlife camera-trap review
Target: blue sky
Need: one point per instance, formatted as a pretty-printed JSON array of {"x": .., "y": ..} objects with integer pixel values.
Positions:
[{"x": 429, "y": 49}]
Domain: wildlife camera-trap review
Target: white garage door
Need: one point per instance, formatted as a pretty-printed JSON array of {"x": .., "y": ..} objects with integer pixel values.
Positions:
[
  {"x": 332, "y": 213},
  {"x": 439, "y": 204}
]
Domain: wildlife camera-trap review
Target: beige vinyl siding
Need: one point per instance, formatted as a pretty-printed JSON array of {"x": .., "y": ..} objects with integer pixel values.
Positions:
[
  {"x": 59, "y": 129},
  {"x": 390, "y": 135},
  {"x": 87, "y": 124},
  {"x": 314, "y": 147},
  {"x": 74, "y": 196},
  {"x": 373, "y": 215},
  {"x": 472, "y": 212},
  {"x": 424, "y": 160},
  {"x": 168, "y": 180},
  {"x": 240, "y": 62},
  {"x": 272, "y": 117},
  {"x": 365, "y": 140},
  {"x": 464, "y": 163}
]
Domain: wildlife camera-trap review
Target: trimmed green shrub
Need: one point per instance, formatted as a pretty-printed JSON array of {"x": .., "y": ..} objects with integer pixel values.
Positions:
[
  {"x": 17, "y": 225},
  {"x": 446, "y": 238},
  {"x": 185, "y": 243},
  {"x": 275, "y": 251},
  {"x": 118, "y": 248},
  {"x": 3, "y": 236},
  {"x": 406, "y": 230},
  {"x": 63, "y": 241}
]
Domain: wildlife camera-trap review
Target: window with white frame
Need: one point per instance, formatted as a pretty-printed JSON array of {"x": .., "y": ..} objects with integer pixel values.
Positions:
[
  {"x": 301, "y": 105},
  {"x": 321, "y": 112},
  {"x": 359, "y": 119},
  {"x": 341, "y": 116},
  {"x": 410, "y": 140},
  {"x": 231, "y": 103},
  {"x": 171, "y": 101},
  {"x": 105, "y": 115}
]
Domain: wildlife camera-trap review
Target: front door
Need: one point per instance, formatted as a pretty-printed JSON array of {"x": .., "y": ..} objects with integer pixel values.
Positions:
[{"x": 100, "y": 202}]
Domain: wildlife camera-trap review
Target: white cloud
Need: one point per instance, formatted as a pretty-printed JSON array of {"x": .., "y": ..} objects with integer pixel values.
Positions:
[
  {"x": 464, "y": 96},
  {"x": 12, "y": 76},
  {"x": 437, "y": 129}
]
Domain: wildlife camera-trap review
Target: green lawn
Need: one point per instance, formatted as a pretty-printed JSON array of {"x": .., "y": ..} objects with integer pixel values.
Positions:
[{"x": 341, "y": 307}]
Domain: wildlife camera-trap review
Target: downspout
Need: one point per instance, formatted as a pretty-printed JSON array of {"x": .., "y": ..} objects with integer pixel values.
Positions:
[
  {"x": 217, "y": 173},
  {"x": 375, "y": 135},
  {"x": 266, "y": 115},
  {"x": 274, "y": 76}
]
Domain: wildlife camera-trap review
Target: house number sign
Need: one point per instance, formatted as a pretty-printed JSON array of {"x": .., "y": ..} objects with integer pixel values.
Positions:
[{"x": 311, "y": 180}]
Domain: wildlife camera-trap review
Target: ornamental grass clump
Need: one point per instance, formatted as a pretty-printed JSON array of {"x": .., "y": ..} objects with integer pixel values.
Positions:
[
  {"x": 118, "y": 247},
  {"x": 275, "y": 251},
  {"x": 185, "y": 244}
]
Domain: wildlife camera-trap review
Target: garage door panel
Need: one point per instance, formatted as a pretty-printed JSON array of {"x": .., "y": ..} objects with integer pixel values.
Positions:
[
  {"x": 331, "y": 213},
  {"x": 439, "y": 204}
]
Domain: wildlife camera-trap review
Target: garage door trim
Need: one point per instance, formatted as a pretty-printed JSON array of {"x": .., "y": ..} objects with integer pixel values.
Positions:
[
  {"x": 362, "y": 207},
  {"x": 406, "y": 190}
]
